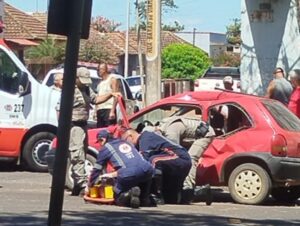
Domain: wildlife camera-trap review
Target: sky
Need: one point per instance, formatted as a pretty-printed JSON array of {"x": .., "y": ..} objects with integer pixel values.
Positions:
[{"x": 203, "y": 15}]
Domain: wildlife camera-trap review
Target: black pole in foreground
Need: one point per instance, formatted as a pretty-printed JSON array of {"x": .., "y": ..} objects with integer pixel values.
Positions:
[{"x": 66, "y": 104}]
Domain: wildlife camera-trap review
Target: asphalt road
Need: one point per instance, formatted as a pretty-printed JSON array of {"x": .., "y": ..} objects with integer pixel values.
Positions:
[{"x": 25, "y": 201}]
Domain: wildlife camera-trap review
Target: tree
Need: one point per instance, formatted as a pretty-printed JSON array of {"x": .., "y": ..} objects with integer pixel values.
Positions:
[
  {"x": 91, "y": 50},
  {"x": 173, "y": 28},
  {"x": 48, "y": 48},
  {"x": 233, "y": 33},
  {"x": 141, "y": 6},
  {"x": 104, "y": 25},
  {"x": 227, "y": 59},
  {"x": 184, "y": 61}
]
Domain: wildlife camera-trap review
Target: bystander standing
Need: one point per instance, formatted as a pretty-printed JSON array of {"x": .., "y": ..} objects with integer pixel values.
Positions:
[
  {"x": 279, "y": 88},
  {"x": 228, "y": 82},
  {"x": 294, "y": 103},
  {"x": 106, "y": 111},
  {"x": 57, "y": 82}
]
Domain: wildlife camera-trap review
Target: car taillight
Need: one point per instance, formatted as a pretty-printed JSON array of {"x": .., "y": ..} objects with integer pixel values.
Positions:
[
  {"x": 196, "y": 84},
  {"x": 279, "y": 146}
]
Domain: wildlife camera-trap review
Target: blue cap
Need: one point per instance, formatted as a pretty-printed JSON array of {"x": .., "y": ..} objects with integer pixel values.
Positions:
[{"x": 102, "y": 134}]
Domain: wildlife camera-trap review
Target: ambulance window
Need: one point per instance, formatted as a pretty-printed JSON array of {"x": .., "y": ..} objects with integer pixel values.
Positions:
[{"x": 9, "y": 74}]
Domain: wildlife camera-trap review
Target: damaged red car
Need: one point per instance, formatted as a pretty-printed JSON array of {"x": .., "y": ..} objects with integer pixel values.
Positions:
[{"x": 256, "y": 151}]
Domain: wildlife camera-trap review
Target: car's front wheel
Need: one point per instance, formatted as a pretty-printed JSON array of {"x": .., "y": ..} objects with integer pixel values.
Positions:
[
  {"x": 89, "y": 163},
  {"x": 249, "y": 184}
]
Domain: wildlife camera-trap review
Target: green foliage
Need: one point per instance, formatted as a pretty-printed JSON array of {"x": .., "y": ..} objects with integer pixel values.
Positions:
[
  {"x": 227, "y": 59},
  {"x": 173, "y": 28},
  {"x": 167, "y": 5},
  {"x": 184, "y": 61},
  {"x": 48, "y": 48},
  {"x": 233, "y": 33}
]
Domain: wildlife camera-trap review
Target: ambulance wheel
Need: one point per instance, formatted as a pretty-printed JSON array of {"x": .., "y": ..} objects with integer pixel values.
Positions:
[
  {"x": 35, "y": 149},
  {"x": 89, "y": 163}
]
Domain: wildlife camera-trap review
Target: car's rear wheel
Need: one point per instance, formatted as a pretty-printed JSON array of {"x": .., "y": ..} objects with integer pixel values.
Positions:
[
  {"x": 249, "y": 184},
  {"x": 89, "y": 163},
  {"x": 286, "y": 194}
]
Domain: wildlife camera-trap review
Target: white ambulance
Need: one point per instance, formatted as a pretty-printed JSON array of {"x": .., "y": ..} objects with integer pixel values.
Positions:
[{"x": 28, "y": 120}]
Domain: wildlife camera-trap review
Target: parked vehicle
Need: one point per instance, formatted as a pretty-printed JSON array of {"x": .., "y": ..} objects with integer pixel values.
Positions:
[
  {"x": 123, "y": 87},
  {"x": 135, "y": 84},
  {"x": 49, "y": 78},
  {"x": 28, "y": 118},
  {"x": 213, "y": 78},
  {"x": 256, "y": 152}
]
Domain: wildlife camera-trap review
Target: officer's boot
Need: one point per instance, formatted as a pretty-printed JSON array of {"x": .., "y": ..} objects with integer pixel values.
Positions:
[
  {"x": 204, "y": 191},
  {"x": 129, "y": 198},
  {"x": 135, "y": 193}
]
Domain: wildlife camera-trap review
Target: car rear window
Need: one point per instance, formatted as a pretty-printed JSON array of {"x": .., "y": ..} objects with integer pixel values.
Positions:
[
  {"x": 284, "y": 117},
  {"x": 221, "y": 72}
]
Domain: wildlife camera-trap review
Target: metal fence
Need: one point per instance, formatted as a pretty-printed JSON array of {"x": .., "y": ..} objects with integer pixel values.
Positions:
[{"x": 171, "y": 87}]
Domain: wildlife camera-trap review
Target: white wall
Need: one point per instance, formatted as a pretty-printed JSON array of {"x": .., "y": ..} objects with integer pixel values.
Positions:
[
  {"x": 268, "y": 41},
  {"x": 204, "y": 40}
]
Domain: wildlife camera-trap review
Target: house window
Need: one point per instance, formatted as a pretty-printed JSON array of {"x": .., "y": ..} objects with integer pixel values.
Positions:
[{"x": 229, "y": 49}]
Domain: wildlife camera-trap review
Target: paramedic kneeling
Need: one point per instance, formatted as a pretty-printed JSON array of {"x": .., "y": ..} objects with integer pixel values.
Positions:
[
  {"x": 132, "y": 173},
  {"x": 167, "y": 157}
]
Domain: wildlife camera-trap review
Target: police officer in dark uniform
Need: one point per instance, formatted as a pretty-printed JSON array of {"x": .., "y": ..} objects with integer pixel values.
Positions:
[
  {"x": 167, "y": 157},
  {"x": 132, "y": 173},
  {"x": 83, "y": 98}
]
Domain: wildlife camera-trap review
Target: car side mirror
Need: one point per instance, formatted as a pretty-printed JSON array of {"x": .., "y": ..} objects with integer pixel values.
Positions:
[{"x": 24, "y": 84}]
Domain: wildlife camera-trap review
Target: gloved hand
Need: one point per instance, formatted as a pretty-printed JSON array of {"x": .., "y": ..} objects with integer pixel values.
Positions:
[
  {"x": 87, "y": 190},
  {"x": 106, "y": 175}
]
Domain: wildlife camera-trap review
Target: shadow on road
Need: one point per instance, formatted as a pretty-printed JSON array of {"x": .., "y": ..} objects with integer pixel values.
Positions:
[
  {"x": 136, "y": 217},
  {"x": 222, "y": 196},
  {"x": 10, "y": 167}
]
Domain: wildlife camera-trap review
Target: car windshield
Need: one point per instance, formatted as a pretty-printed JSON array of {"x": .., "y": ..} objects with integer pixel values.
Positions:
[
  {"x": 221, "y": 72},
  {"x": 136, "y": 81},
  {"x": 285, "y": 118}
]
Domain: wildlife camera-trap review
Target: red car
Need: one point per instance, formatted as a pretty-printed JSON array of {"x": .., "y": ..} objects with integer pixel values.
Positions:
[{"x": 257, "y": 148}]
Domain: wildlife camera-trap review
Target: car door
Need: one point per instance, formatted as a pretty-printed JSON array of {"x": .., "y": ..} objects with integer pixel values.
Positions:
[
  {"x": 235, "y": 134},
  {"x": 127, "y": 96}
]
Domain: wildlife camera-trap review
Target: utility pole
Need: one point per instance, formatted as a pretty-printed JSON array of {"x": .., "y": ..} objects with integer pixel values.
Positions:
[
  {"x": 127, "y": 41},
  {"x": 153, "y": 55},
  {"x": 72, "y": 19},
  {"x": 138, "y": 32},
  {"x": 194, "y": 36}
]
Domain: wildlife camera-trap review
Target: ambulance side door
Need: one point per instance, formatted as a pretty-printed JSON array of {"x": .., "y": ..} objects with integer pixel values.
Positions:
[{"x": 12, "y": 105}]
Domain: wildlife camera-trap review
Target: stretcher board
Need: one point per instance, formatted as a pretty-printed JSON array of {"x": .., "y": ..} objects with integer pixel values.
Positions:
[{"x": 98, "y": 200}]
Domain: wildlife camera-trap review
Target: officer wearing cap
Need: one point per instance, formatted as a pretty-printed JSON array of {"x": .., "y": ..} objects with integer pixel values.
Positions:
[
  {"x": 83, "y": 97},
  {"x": 132, "y": 173}
]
